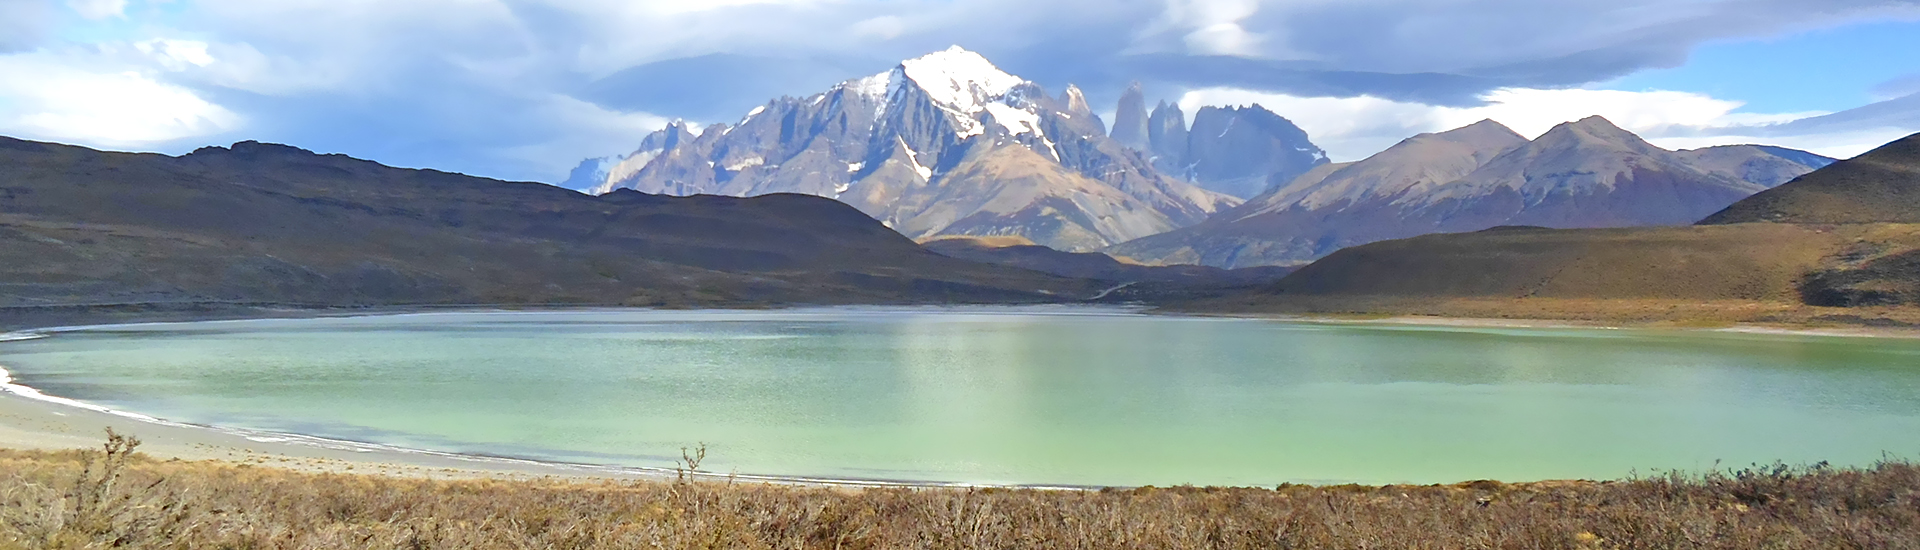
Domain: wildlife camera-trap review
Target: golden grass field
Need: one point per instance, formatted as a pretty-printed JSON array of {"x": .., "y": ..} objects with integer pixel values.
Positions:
[{"x": 113, "y": 498}]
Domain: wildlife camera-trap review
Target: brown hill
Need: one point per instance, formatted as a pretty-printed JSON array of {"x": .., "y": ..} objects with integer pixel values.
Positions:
[
  {"x": 1882, "y": 185},
  {"x": 1745, "y": 272},
  {"x": 261, "y": 223}
]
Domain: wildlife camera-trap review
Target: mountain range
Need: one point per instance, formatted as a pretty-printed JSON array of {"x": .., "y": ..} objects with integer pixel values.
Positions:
[
  {"x": 949, "y": 145},
  {"x": 945, "y": 144},
  {"x": 1584, "y": 174}
]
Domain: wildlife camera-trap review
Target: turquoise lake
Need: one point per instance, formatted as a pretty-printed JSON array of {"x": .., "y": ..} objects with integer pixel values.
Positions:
[{"x": 1045, "y": 395}]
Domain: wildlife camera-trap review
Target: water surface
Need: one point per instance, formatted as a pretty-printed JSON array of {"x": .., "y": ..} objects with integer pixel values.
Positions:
[{"x": 1015, "y": 395}]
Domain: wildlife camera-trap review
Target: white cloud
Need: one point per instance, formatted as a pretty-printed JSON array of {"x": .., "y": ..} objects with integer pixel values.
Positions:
[
  {"x": 1212, "y": 27},
  {"x": 590, "y": 131},
  {"x": 47, "y": 97},
  {"x": 99, "y": 9},
  {"x": 1840, "y": 145},
  {"x": 884, "y": 27},
  {"x": 176, "y": 55},
  {"x": 1357, "y": 127}
]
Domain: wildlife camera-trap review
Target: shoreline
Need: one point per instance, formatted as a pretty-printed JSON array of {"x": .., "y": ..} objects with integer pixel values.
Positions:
[
  {"x": 1436, "y": 321},
  {"x": 32, "y": 420}
]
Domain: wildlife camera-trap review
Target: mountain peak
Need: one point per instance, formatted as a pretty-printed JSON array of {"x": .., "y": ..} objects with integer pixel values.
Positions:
[
  {"x": 1487, "y": 133},
  {"x": 1591, "y": 130},
  {"x": 959, "y": 78},
  {"x": 1485, "y": 124}
]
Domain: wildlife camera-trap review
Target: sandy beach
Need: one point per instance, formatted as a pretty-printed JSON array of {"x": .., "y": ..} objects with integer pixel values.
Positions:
[{"x": 31, "y": 421}]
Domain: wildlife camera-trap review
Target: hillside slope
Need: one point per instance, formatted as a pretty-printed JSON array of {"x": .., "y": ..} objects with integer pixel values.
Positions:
[
  {"x": 1882, "y": 185},
  {"x": 262, "y": 223}
]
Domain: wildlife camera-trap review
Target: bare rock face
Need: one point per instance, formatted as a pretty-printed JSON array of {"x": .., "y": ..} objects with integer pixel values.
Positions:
[
  {"x": 1237, "y": 151},
  {"x": 919, "y": 148},
  {"x": 1243, "y": 151},
  {"x": 1581, "y": 174},
  {"x": 1167, "y": 137},
  {"x": 1130, "y": 120}
]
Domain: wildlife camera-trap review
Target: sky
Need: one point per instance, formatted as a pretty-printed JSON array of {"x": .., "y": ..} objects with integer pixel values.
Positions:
[{"x": 526, "y": 89}]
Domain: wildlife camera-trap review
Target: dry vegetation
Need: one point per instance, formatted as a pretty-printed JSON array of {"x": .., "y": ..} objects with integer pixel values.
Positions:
[
  {"x": 113, "y": 498},
  {"x": 1674, "y": 276}
]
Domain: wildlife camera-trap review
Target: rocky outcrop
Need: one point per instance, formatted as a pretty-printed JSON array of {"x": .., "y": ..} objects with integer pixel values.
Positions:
[
  {"x": 1130, "y": 119},
  {"x": 1243, "y": 151},
  {"x": 1237, "y": 151}
]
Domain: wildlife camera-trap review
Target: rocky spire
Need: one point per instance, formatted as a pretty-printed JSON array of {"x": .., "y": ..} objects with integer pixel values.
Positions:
[
  {"x": 1130, "y": 120},
  {"x": 1167, "y": 138}
]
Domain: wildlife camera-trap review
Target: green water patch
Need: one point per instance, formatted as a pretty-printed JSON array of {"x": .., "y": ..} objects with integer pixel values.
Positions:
[{"x": 1044, "y": 395}]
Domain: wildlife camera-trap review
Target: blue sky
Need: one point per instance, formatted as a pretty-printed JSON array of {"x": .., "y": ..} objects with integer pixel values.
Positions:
[
  {"x": 524, "y": 89},
  {"x": 1829, "y": 69}
]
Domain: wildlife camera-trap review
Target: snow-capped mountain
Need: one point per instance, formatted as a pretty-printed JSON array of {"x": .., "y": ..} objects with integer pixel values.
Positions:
[{"x": 945, "y": 144}]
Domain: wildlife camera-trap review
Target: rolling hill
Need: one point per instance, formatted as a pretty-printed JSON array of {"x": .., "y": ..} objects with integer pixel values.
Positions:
[{"x": 270, "y": 224}]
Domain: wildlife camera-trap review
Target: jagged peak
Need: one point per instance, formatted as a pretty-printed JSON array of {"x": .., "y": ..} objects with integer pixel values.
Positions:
[{"x": 1075, "y": 101}]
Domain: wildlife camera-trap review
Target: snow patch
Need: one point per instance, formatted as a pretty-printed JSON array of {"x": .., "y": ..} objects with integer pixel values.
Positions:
[
  {"x": 753, "y": 113},
  {"x": 745, "y": 163},
  {"x": 1017, "y": 121},
  {"x": 855, "y": 166},
  {"x": 914, "y": 157}
]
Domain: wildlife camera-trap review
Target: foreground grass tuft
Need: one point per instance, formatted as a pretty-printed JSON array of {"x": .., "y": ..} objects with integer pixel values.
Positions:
[{"x": 113, "y": 498}]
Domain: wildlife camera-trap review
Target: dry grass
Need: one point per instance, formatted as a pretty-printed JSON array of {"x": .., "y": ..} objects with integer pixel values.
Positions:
[{"x": 110, "y": 498}]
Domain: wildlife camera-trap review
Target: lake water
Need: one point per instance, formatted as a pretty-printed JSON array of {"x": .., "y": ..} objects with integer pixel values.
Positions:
[{"x": 1015, "y": 395}]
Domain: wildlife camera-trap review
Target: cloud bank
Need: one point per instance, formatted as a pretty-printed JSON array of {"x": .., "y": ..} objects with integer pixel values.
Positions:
[{"x": 521, "y": 89}]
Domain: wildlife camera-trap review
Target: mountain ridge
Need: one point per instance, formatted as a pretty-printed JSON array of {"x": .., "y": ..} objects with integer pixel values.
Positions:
[{"x": 1580, "y": 174}]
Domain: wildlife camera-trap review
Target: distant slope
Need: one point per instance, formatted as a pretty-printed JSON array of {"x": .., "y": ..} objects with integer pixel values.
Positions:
[
  {"x": 270, "y": 223},
  {"x": 1882, "y": 185},
  {"x": 1094, "y": 265},
  {"x": 1763, "y": 164},
  {"x": 1714, "y": 274},
  {"x": 1581, "y": 174},
  {"x": 1705, "y": 263}
]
